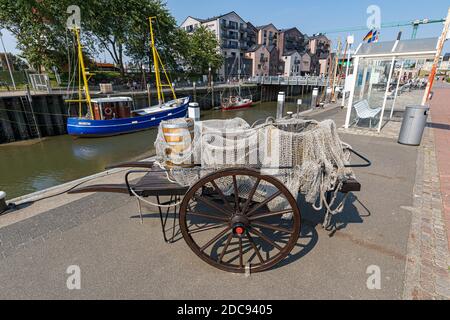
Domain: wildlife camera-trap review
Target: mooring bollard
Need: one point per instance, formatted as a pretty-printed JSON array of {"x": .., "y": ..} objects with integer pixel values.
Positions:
[
  {"x": 299, "y": 104},
  {"x": 3, "y": 205},
  {"x": 328, "y": 95},
  {"x": 280, "y": 106},
  {"x": 194, "y": 111},
  {"x": 315, "y": 94}
]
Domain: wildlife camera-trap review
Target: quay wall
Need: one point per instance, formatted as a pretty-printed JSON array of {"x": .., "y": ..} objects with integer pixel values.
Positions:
[{"x": 47, "y": 114}]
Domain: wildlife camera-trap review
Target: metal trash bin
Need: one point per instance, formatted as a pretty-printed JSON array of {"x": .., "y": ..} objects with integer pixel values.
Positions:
[{"x": 413, "y": 126}]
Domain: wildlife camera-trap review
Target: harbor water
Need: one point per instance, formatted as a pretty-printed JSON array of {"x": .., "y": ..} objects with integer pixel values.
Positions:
[{"x": 30, "y": 166}]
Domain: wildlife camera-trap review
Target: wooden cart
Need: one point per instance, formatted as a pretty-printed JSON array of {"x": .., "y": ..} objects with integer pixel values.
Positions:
[{"x": 231, "y": 233}]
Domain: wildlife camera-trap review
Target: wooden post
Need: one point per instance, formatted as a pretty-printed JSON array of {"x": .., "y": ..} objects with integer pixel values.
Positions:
[
  {"x": 437, "y": 58},
  {"x": 212, "y": 94},
  {"x": 195, "y": 92},
  {"x": 149, "y": 95}
]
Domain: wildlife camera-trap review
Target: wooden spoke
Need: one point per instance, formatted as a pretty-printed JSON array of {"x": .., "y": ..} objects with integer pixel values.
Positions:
[
  {"x": 208, "y": 216},
  {"x": 222, "y": 196},
  {"x": 259, "y": 234},
  {"x": 220, "y": 247},
  {"x": 236, "y": 194},
  {"x": 262, "y": 204},
  {"x": 252, "y": 242},
  {"x": 250, "y": 195},
  {"x": 241, "y": 255},
  {"x": 271, "y": 227},
  {"x": 211, "y": 204},
  {"x": 210, "y": 242},
  {"x": 269, "y": 214},
  {"x": 198, "y": 230},
  {"x": 224, "y": 251}
]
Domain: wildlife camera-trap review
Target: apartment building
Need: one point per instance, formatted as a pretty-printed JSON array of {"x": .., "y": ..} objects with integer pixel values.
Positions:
[
  {"x": 319, "y": 48},
  {"x": 235, "y": 37},
  {"x": 289, "y": 50},
  {"x": 260, "y": 57}
]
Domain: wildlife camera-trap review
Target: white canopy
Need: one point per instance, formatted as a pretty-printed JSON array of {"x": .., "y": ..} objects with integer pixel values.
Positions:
[{"x": 389, "y": 50}]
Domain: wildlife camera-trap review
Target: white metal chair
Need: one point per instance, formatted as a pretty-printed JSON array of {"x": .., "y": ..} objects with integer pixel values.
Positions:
[{"x": 364, "y": 111}]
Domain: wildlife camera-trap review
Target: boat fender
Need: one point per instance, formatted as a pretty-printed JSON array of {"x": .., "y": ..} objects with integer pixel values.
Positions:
[{"x": 108, "y": 111}]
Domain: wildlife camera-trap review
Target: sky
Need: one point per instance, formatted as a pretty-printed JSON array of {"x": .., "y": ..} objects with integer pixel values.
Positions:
[{"x": 313, "y": 16}]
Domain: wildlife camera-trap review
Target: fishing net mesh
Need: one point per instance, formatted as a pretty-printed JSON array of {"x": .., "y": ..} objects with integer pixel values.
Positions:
[{"x": 305, "y": 155}]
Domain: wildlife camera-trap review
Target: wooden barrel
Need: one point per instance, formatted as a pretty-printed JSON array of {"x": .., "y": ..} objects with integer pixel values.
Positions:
[{"x": 179, "y": 136}]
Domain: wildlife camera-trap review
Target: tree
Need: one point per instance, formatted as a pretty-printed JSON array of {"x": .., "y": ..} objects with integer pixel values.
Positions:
[
  {"x": 122, "y": 28},
  {"x": 119, "y": 27},
  {"x": 203, "y": 51},
  {"x": 39, "y": 29}
]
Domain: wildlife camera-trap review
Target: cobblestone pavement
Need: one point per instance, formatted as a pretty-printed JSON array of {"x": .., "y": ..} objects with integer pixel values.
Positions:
[
  {"x": 441, "y": 127},
  {"x": 427, "y": 268}
]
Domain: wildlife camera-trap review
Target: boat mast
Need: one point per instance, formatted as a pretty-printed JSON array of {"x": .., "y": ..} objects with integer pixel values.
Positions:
[
  {"x": 239, "y": 70},
  {"x": 82, "y": 75},
  {"x": 157, "y": 62}
]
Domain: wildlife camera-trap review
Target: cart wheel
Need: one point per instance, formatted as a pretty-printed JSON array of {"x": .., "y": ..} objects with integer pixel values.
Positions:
[{"x": 233, "y": 233}]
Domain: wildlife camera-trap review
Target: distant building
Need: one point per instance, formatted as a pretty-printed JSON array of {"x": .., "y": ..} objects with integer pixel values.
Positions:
[
  {"x": 291, "y": 40},
  {"x": 268, "y": 35},
  {"x": 319, "y": 47},
  {"x": 289, "y": 50},
  {"x": 102, "y": 66},
  {"x": 260, "y": 57},
  {"x": 234, "y": 35},
  {"x": 296, "y": 63}
]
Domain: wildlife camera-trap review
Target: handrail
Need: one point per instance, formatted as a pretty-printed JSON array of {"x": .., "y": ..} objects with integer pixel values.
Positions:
[{"x": 366, "y": 165}]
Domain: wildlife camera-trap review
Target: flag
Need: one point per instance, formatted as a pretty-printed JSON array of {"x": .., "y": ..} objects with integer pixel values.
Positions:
[{"x": 372, "y": 36}]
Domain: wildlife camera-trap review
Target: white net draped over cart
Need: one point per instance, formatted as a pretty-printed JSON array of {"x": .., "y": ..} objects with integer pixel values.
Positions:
[{"x": 305, "y": 155}]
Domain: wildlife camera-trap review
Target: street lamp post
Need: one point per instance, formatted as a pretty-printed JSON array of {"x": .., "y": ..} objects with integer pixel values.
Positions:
[
  {"x": 7, "y": 62},
  {"x": 350, "y": 41}
]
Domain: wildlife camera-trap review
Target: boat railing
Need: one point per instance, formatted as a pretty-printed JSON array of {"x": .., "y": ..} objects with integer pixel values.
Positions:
[{"x": 294, "y": 80}]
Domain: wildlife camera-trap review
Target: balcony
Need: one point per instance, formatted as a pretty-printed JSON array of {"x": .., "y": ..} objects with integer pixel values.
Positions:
[
  {"x": 232, "y": 36},
  {"x": 229, "y": 25},
  {"x": 234, "y": 45}
]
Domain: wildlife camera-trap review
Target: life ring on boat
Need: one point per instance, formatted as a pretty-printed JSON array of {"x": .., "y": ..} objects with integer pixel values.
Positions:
[
  {"x": 108, "y": 111},
  {"x": 233, "y": 99}
]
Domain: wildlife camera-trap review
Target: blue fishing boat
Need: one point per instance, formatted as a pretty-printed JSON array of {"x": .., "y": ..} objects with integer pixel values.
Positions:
[{"x": 115, "y": 115}]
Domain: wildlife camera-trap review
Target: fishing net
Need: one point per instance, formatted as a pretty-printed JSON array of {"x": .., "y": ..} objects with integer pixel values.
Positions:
[{"x": 305, "y": 155}]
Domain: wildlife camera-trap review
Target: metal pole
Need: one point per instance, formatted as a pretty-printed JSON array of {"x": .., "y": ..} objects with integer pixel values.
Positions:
[
  {"x": 386, "y": 94},
  {"x": 7, "y": 62},
  {"x": 149, "y": 95},
  {"x": 280, "y": 106},
  {"x": 396, "y": 90},
  {"x": 212, "y": 94},
  {"x": 347, "y": 69},
  {"x": 440, "y": 46},
  {"x": 352, "y": 93},
  {"x": 195, "y": 92}
]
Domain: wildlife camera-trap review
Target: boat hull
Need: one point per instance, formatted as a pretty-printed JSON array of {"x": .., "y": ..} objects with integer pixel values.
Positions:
[
  {"x": 103, "y": 128},
  {"x": 236, "y": 107}
]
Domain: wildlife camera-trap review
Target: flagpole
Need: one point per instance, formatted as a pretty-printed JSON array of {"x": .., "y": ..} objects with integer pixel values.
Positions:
[
  {"x": 7, "y": 62},
  {"x": 440, "y": 46}
]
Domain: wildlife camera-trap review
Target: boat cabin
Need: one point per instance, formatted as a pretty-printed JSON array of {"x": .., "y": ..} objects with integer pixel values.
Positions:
[{"x": 112, "y": 108}]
